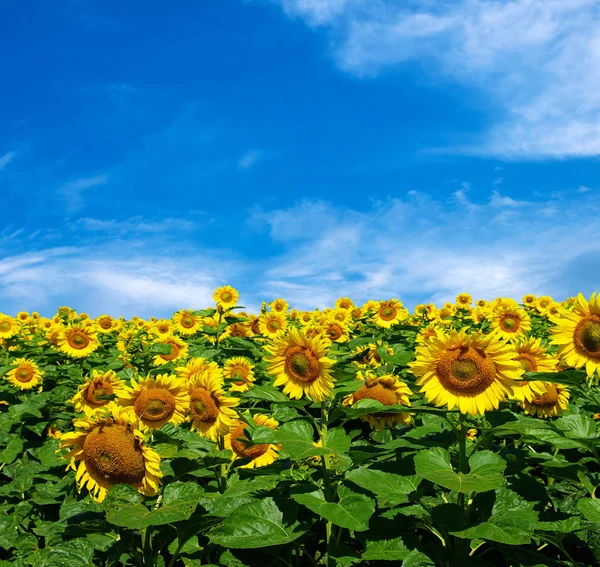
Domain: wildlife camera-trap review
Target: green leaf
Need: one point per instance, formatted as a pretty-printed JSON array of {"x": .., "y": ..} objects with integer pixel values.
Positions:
[
  {"x": 78, "y": 552},
  {"x": 296, "y": 437},
  {"x": 487, "y": 470},
  {"x": 265, "y": 392},
  {"x": 352, "y": 511},
  {"x": 161, "y": 348},
  {"x": 12, "y": 450},
  {"x": 204, "y": 312},
  {"x": 255, "y": 525},
  {"x": 577, "y": 426},
  {"x": 385, "y": 550},
  {"x": 590, "y": 508},
  {"x": 390, "y": 489}
]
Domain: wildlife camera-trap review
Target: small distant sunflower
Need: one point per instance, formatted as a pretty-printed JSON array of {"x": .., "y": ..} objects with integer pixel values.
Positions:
[
  {"x": 78, "y": 340},
  {"x": 388, "y": 313},
  {"x": 370, "y": 306},
  {"x": 226, "y": 296},
  {"x": 300, "y": 364},
  {"x": 464, "y": 299},
  {"x": 279, "y": 305},
  {"x": 306, "y": 318},
  {"x": 199, "y": 366},
  {"x": 543, "y": 303},
  {"x": 529, "y": 300},
  {"x": 577, "y": 333},
  {"x": 471, "y": 372},
  {"x": 551, "y": 403},
  {"x": 341, "y": 316},
  {"x": 92, "y": 394},
  {"x": 368, "y": 356},
  {"x": 8, "y": 327},
  {"x": 106, "y": 324},
  {"x": 239, "y": 370},
  {"x": 336, "y": 332},
  {"x": 344, "y": 303},
  {"x": 272, "y": 324},
  {"x": 510, "y": 323},
  {"x": 387, "y": 390},
  {"x": 161, "y": 328},
  {"x": 186, "y": 323},
  {"x": 262, "y": 454},
  {"x": 481, "y": 303},
  {"x": 110, "y": 451},
  {"x": 23, "y": 316},
  {"x": 156, "y": 401},
  {"x": 25, "y": 375},
  {"x": 210, "y": 410},
  {"x": 179, "y": 350}
]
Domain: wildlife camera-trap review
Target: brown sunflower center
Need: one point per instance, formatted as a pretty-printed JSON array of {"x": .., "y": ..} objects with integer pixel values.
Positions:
[
  {"x": 273, "y": 325},
  {"x": 78, "y": 340},
  {"x": 241, "y": 374},
  {"x": 241, "y": 447},
  {"x": 254, "y": 327},
  {"x": 237, "y": 330},
  {"x": 509, "y": 324},
  {"x": 226, "y": 297},
  {"x": 334, "y": 332},
  {"x": 387, "y": 313},
  {"x": 163, "y": 329},
  {"x": 301, "y": 364},
  {"x": 175, "y": 350},
  {"x": 466, "y": 370},
  {"x": 155, "y": 404},
  {"x": 544, "y": 303},
  {"x": 5, "y": 326},
  {"x": 527, "y": 362},
  {"x": 24, "y": 374},
  {"x": 587, "y": 336},
  {"x": 548, "y": 398},
  {"x": 187, "y": 322},
  {"x": 96, "y": 391},
  {"x": 112, "y": 453},
  {"x": 203, "y": 406},
  {"x": 105, "y": 323}
]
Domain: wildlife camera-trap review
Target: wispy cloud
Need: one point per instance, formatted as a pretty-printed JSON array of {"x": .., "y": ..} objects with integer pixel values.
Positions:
[
  {"x": 72, "y": 192},
  {"x": 249, "y": 159},
  {"x": 536, "y": 61},
  {"x": 6, "y": 159}
]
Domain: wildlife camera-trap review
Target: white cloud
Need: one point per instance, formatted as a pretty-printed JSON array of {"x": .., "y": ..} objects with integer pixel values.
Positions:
[
  {"x": 72, "y": 192},
  {"x": 249, "y": 159},
  {"x": 536, "y": 61},
  {"x": 6, "y": 159}
]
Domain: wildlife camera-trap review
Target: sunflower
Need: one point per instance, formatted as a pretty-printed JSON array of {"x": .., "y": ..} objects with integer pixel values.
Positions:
[
  {"x": 186, "y": 323},
  {"x": 25, "y": 375},
  {"x": 209, "y": 408},
  {"x": 543, "y": 303},
  {"x": 300, "y": 364},
  {"x": 341, "y": 316},
  {"x": 336, "y": 332},
  {"x": 78, "y": 340},
  {"x": 272, "y": 324},
  {"x": 471, "y": 372},
  {"x": 385, "y": 389},
  {"x": 510, "y": 323},
  {"x": 156, "y": 401},
  {"x": 94, "y": 392},
  {"x": 213, "y": 323},
  {"x": 551, "y": 403},
  {"x": 370, "y": 305},
  {"x": 23, "y": 316},
  {"x": 529, "y": 300},
  {"x": 532, "y": 357},
  {"x": 481, "y": 303},
  {"x": 279, "y": 305},
  {"x": 464, "y": 300},
  {"x": 239, "y": 371},
  {"x": 179, "y": 350},
  {"x": 262, "y": 454},
  {"x": 344, "y": 303},
  {"x": 106, "y": 324},
  {"x": 111, "y": 450},
  {"x": 238, "y": 330},
  {"x": 8, "y": 326},
  {"x": 389, "y": 313},
  {"x": 161, "y": 328},
  {"x": 199, "y": 366},
  {"x": 226, "y": 296},
  {"x": 577, "y": 333},
  {"x": 367, "y": 355},
  {"x": 426, "y": 333}
]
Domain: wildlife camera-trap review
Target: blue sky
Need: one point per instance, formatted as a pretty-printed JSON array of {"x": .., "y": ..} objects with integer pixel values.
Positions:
[{"x": 299, "y": 148}]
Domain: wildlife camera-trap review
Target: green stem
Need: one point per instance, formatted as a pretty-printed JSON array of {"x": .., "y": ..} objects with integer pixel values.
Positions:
[
  {"x": 148, "y": 556},
  {"x": 329, "y": 561},
  {"x": 461, "y": 545}
]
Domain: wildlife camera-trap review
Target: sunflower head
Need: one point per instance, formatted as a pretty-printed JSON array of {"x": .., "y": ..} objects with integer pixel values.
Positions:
[
  {"x": 106, "y": 324},
  {"x": 389, "y": 313},
  {"x": 239, "y": 372},
  {"x": 510, "y": 322},
  {"x": 551, "y": 402},
  {"x": 272, "y": 324},
  {"x": 78, "y": 340},
  {"x": 261, "y": 454},
  {"x": 25, "y": 375},
  {"x": 464, "y": 299},
  {"x": 97, "y": 391},
  {"x": 179, "y": 350},
  {"x": 279, "y": 305},
  {"x": 8, "y": 327},
  {"x": 344, "y": 303},
  {"x": 226, "y": 297},
  {"x": 186, "y": 323}
]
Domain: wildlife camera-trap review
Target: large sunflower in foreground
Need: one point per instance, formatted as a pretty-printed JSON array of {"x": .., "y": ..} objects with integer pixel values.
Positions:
[
  {"x": 510, "y": 322},
  {"x": 111, "y": 450},
  {"x": 239, "y": 371},
  {"x": 551, "y": 403},
  {"x": 577, "y": 333},
  {"x": 209, "y": 408},
  {"x": 156, "y": 401},
  {"x": 388, "y": 313},
  {"x": 262, "y": 454},
  {"x": 532, "y": 356},
  {"x": 79, "y": 340},
  {"x": 8, "y": 327},
  {"x": 94, "y": 393},
  {"x": 385, "y": 389},
  {"x": 471, "y": 372},
  {"x": 300, "y": 364},
  {"x": 179, "y": 350},
  {"x": 25, "y": 375}
]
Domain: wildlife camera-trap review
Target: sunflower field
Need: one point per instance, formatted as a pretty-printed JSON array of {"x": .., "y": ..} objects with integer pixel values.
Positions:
[{"x": 460, "y": 435}]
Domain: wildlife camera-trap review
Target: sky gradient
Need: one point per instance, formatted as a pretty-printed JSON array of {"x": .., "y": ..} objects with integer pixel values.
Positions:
[{"x": 309, "y": 149}]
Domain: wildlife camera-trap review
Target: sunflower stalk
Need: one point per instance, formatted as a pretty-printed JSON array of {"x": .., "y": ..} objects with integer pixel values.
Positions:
[
  {"x": 329, "y": 561},
  {"x": 461, "y": 545}
]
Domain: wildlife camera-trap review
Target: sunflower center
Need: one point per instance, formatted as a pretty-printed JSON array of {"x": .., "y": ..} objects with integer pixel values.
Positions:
[
  {"x": 226, "y": 297},
  {"x": 387, "y": 313},
  {"x": 96, "y": 391},
  {"x": 105, "y": 323},
  {"x": 466, "y": 370},
  {"x": 301, "y": 364},
  {"x": 112, "y": 453},
  {"x": 587, "y": 336},
  {"x": 241, "y": 374},
  {"x": 163, "y": 329},
  {"x": 79, "y": 340},
  {"x": 527, "y": 362},
  {"x": 334, "y": 332},
  {"x": 544, "y": 303},
  {"x": 203, "y": 406},
  {"x": 274, "y": 325},
  {"x": 155, "y": 404},
  {"x": 187, "y": 322},
  {"x": 175, "y": 350},
  {"x": 4, "y": 326},
  {"x": 378, "y": 392},
  {"x": 24, "y": 374},
  {"x": 509, "y": 324},
  {"x": 548, "y": 398},
  {"x": 254, "y": 327},
  {"x": 241, "y": 447}
]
